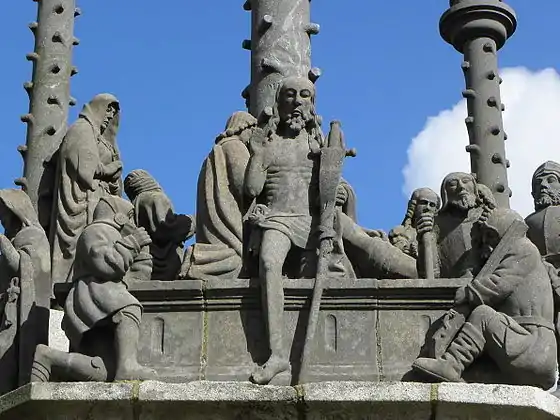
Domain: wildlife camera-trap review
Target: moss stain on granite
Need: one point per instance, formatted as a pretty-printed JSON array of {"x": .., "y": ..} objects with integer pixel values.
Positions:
[{"x": 433, "y": 401}]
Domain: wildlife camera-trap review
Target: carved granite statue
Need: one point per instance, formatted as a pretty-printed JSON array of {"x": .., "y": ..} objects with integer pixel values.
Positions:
[
  {"x": 89, "y": 167},
  {"x": 544, "y": 223},
  {"x": 403, "y": 236},
  {"x": 101, "y": 318},
  {"x": 464, "y": 204},
  {"x": 221, "y": 205},
  {"x": 509, "y": 310},
  {"x": 25, "y": 286},
  {"x": 168, "y": 231},
  {"x": 283, "y": 177}
]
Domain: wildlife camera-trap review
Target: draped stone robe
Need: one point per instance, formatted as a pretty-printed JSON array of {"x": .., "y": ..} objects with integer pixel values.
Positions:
[{"x": 80, "y": 182}]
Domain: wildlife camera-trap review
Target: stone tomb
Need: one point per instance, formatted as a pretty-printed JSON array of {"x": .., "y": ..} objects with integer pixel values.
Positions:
[{"x": 369, "y": 330}]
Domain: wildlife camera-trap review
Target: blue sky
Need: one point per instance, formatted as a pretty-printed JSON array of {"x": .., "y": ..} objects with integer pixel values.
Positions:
[{"x": 178, "y": 69}]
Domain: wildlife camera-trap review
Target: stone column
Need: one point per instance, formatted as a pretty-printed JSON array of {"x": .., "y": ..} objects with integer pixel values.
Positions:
[
  {"x": 478, "y": 29},
  {"x": 49, "y": 97},
  {"x": 280, "y": 47}
]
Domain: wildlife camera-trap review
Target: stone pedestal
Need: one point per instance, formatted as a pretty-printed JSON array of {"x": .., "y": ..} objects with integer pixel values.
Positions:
[{"x": 241, "y": 400}]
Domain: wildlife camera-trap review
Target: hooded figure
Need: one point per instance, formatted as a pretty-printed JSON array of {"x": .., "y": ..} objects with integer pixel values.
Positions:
[
  {"x": 154, "y": 212},
  {"x": 89, "y": 167},
  {"x": 221, "y": 205},
  {"x": 25, "y": 286}
]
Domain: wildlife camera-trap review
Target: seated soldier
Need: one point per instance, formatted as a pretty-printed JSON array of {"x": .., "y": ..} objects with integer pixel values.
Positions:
[{"x": 512, "y": 314}]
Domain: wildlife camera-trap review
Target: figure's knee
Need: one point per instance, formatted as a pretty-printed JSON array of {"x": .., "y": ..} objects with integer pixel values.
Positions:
[
  {"x": 269, "y": 263},
  {"x": 131, "y": 312},
  {"x": 481, "y": 315}
]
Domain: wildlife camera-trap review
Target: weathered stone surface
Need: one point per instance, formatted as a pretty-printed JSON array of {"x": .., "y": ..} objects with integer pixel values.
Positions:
[
  {"x": 507, "y": 402},
  {"x": 62, "y": 401},
  {"x": 364, "y": 400},
  {"x": 216, "y": 400},
  {"x": 57, "y": 337},
  {"x": 368, "y": 330},
  {"x": 152, "y": 400}
]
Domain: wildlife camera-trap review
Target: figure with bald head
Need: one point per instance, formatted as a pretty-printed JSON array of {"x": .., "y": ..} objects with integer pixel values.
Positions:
[
  {"x": 88, "y": 168},
  {"x": 464, "y": 204},
  {"x": 403, "y": 236},
  {"x": 544, "y": 229},
  {"x": 283, "y": 178}
]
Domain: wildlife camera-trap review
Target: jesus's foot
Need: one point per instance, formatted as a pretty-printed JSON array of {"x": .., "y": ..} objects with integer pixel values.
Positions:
[
  {"x": 264, "y": 374},
  {"x": 132, "y": 371}
]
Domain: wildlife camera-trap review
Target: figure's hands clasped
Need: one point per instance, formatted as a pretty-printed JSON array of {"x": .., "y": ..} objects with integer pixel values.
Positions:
[{"x": 425, "y": 224}]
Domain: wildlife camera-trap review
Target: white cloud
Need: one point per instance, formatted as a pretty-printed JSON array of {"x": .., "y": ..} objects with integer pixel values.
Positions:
[{"x": 531, "y": 120}]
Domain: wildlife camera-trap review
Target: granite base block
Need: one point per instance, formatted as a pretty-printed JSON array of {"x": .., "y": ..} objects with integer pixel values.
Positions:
[{"x": 199, "y": 400}]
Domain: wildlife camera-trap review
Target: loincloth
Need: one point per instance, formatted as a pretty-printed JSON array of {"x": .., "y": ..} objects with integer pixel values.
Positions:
[{"x": 299, "y": 228}]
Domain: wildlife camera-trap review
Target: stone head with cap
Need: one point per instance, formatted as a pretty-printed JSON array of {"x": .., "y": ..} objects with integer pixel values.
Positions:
[
  {"x": 139, "y": 181},
  {"x": 115, "y": 210},
  {"x": 546, "y": 185}
]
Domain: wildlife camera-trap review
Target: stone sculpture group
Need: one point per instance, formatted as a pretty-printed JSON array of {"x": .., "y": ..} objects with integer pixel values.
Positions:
[
  {"x": 271, "y": 205},
  {"x": 260, "y": 195}
]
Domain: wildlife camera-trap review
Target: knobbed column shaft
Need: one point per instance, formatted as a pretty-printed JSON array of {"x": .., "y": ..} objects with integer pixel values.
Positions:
[
  {"x": 478, "y": 29},
  {"x": 49, "y": 95},
  {"x": 280, "y": 47}
]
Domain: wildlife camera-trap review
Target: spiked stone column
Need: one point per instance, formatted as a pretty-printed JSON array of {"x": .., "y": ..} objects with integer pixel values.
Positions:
[
  {"x": 49, "y": 95},
  {"x": 478, "y": 29},
  {"x": 280, "y": 47}
]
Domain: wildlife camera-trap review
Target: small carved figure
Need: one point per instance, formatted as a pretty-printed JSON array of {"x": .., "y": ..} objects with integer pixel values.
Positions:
[
  {"x": 154, "y": 212},
  {"x": 101, "y": 317},
  {"x": 544, "y": 223},
  {"x": 403, "y": 236},
  {"x": 89, "y": 167},
  {"x": 510, "y": 315},
  {"x": 24, "y": 264},
  {"x": 464, "y": 204},
  {"x": 221, "y": 205}
]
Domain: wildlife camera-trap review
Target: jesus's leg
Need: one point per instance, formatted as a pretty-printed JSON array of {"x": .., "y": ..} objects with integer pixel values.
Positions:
[{"x": 273, "y": 251}]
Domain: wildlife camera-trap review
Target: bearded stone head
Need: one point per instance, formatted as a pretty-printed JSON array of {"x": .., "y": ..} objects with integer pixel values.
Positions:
[
  {"x": 402, "y": 237},
  {"x": 546, "y": 185},
  {"x": 295, "y": 103},
  {"x": 459, "y": 190}
]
